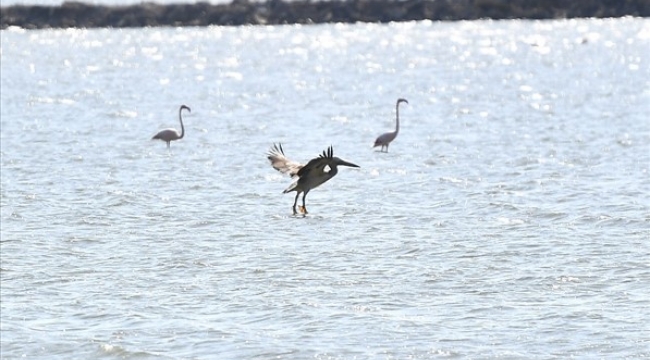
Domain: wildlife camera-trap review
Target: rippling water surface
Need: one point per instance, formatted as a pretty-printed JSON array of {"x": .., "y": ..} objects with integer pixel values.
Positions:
[{"x": 510, "y": 219}]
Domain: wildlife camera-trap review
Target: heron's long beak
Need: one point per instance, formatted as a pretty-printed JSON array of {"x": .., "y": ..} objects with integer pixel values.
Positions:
[{"x": 345, "y": 163}]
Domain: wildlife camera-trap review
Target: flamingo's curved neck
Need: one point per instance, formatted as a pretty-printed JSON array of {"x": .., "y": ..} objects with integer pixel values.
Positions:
[
  {"x": 180, "y": 118},
  {"x": 397, "y": 118}
]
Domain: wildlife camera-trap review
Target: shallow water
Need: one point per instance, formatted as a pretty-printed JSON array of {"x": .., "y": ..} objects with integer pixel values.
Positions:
[{"x": 509, "y": 219}]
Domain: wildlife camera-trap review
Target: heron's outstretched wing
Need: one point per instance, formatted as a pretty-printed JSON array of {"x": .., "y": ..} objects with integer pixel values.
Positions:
[
  {"x": 316, "y": 166},
  {"x": 281, "y": 163}
]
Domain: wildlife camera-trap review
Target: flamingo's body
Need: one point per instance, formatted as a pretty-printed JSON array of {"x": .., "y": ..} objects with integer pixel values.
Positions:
[
  {"x": 309, "y": 176},
  {"x": 385, "y": 139},
  {"x": 171, "y": 134}
]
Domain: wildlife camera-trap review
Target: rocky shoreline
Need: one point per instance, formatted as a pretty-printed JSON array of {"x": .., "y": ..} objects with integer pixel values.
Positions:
[{"x": 244, "y": 12}]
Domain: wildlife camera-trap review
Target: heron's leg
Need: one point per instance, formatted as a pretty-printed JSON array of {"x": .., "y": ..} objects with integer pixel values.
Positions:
[
  {"x": 295, "y": 201},
  {"x": 304, "y": 208},
  {"x": 167, "y": 144}
]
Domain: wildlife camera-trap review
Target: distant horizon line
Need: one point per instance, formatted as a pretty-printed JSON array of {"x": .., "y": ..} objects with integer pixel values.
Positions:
[{"x": 81, "y": 14}]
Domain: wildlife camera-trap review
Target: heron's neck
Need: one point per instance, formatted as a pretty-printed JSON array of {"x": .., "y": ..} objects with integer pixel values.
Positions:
[
  {"x": 333, "y": 171},
  {"x": 180, "y": 118}
]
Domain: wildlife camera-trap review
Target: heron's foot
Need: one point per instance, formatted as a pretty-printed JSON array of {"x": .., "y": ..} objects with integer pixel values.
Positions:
[{"x": 303, "y": 210}]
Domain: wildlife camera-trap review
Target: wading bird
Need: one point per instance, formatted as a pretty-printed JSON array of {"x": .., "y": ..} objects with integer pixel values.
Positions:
[
  {"x": 313, "y": 174},
  {"x": 385, "y": 139},
  {"x": 171, "y": 134}
]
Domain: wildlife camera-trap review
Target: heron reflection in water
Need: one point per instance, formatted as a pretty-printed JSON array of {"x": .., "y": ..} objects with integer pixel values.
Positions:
[{"x": 309, "y": 176}]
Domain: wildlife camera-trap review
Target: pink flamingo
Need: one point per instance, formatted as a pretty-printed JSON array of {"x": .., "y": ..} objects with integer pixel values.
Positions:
[
  {"x": 171, "y": 134},
  {"x": 385, "y": 139}
]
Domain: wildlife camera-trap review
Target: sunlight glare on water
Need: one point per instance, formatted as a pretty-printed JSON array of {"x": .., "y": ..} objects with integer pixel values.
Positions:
[{"x": 509, "y": 219}]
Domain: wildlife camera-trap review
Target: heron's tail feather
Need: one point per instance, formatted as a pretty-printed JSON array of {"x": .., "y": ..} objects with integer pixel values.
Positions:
[{"x": 291, "y": 187}]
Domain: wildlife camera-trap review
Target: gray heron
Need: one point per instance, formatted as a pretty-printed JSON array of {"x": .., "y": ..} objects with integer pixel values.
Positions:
[
  {"x": 309, "y": 176},
  {"x": 385, "y": 139},
  {"x": 171, "y": 134}
]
